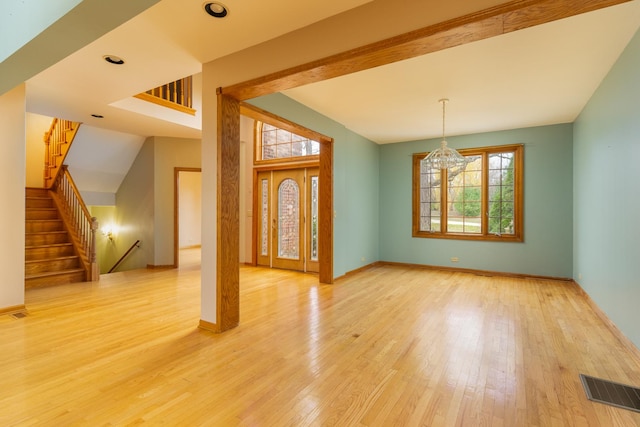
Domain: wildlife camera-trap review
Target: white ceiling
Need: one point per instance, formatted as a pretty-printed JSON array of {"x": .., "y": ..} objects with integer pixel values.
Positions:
[
  {"x": 542, "y": 75},
  {"x": 538, "y": 76},
  {"x": 168, "y": 41}
]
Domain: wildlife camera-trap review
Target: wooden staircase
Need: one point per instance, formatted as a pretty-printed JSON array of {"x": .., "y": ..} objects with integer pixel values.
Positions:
[{"x": 50, "y": 258}]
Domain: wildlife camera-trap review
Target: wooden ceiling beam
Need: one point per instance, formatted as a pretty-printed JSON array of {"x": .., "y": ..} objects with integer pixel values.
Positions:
[{"x": 495, "y": 21}]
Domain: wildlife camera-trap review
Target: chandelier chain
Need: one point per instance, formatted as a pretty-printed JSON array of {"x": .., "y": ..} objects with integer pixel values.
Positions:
[
  {"x": 444, "y": 157},
  {"x": 444, "y": 103}
]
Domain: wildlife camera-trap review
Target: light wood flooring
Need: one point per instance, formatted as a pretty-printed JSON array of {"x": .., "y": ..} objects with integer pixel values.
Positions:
[{"x": 389, "y": 346}]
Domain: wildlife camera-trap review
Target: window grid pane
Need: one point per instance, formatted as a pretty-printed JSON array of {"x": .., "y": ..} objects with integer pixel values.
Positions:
[
  {"x": 465, "y": 198},
  {"x": 481, "y": 200},
  {"x": 430, "y": 180},
  {"x": 501, "y": 193},
  {"x": 276, "y": 143}
]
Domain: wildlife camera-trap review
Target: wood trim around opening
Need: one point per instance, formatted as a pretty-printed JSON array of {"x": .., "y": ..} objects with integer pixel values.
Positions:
[
  {"x": 508, "y": 17},
  {"x": 176, "y": 212}
]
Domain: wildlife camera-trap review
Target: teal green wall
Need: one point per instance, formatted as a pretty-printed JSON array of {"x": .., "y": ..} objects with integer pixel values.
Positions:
[
  {"x": 372, "y": 200},
  {"x": 355, "y": 184},
  {"x": 607, "y": 206},
  {"x": 547, "y": 246}
]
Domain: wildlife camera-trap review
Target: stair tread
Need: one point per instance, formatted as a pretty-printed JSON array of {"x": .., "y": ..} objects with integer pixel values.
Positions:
[
  {"x": 50, "y": 245},
  {"x": 33, "y": 233},
  {"x": 53, "y": 273},
  {"x": 61, "y": 258},
  {"x": 47, "y": 240}
]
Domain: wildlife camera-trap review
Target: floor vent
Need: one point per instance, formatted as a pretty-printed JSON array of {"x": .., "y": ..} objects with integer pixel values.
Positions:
[
  {"x": 610, "y": 393},
  {"x": 19, "y": 315}
]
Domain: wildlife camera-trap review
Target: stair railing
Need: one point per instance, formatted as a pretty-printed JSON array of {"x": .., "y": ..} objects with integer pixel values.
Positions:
[
  {"x": 135, "y": 245},
  {"x": 177, "y": 95},
  {"x": 78, "y": 218},
  {"x": 57, "y": 141}
]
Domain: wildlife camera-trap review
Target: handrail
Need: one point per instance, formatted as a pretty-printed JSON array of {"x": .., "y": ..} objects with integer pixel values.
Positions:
[
  {"x": 135, "y": 245},
  {"x": 177, "y": 95},
  {"x": 84, "y": 226},
  {"x": 57, "y": 140}
]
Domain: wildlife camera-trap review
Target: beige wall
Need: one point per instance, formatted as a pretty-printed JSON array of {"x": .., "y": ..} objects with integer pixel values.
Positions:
[
  {"x": 12, "y": 183},
  {"x": 135, "y": 211},
  {"x": 169, "y": 154},
  {"x": 106, "y": 248},
  {"x": 246, "y": 188},
  {"x": 190, "y": 213},
  {"x": 37, "y": 126},
  {"x": 145, "y": 202}
]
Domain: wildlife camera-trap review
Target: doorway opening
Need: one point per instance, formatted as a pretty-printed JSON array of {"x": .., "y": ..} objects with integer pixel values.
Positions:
[{"x": 187, "y": 216}]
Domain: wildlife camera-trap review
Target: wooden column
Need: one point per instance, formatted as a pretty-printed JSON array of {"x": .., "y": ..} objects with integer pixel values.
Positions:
[{"x": 228, "y": 224}]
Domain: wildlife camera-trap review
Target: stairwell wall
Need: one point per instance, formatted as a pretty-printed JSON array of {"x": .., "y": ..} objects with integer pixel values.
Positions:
[
  {"x": 135, "y": 211},
  {"x": 169, "y": 153},
  {"x": 145, "y": 201},
  {"x": 37, "y": 126},
  {"x": 12, "y": 184}
]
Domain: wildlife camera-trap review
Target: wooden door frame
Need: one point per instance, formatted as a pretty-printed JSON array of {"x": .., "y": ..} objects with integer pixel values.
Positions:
[
  {"x": 256, "y": 202},
  {"x": 176, "y": 211}
]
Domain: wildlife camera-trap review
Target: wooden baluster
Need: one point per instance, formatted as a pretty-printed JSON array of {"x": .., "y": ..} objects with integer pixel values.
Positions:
[
  {"x": 190, "y": 92},
  {"x": 94, "y": 228}
]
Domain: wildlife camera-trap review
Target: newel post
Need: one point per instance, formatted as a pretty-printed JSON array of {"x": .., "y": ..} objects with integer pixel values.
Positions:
[{"x": 95, "y": 273}]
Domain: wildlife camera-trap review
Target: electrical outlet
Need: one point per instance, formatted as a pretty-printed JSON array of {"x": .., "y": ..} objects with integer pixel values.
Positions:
[
  {"x": 455, "y": 259},
  {"x": 363, "y": 259}
]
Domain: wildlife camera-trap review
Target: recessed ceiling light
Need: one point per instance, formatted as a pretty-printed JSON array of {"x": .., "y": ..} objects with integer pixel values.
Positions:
[
  {"x": 215, "y": 9},
  {"x": 98, "y": 116},
  {"x": 112, "y": 59}
]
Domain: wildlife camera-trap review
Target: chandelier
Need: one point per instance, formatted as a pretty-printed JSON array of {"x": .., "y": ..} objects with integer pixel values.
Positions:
[{"x": 444, "y": 157}]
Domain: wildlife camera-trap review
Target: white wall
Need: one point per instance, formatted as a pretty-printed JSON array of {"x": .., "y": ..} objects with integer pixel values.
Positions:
[{"x": 12, "y": 184}]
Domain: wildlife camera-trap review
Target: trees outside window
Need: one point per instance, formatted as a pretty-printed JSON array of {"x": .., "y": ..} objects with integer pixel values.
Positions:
[
  {"x": 482, "y": 200},
  {"x": 276, "y": 144}
]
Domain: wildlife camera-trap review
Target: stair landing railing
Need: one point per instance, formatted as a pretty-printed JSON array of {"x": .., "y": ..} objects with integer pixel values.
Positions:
[
  {"x": 177, "y": 95},
  {"x": 79, "y": 219}
]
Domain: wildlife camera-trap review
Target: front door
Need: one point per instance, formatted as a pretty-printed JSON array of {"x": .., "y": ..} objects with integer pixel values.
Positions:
[{"x": 287, "y": 232}]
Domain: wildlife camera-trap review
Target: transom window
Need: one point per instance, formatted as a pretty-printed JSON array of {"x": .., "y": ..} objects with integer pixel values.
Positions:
[
  {"x": 481, "y": 200},
  {"x": 274, "y": 143}
]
